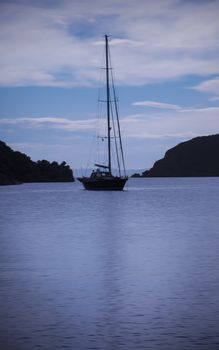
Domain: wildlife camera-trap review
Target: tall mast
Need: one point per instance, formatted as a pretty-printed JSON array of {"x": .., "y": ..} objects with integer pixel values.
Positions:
[{"x": 108, "y": 103}]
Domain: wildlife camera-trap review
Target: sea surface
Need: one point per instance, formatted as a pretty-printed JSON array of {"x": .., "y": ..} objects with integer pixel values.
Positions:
[{"x": 137, "y": 269}]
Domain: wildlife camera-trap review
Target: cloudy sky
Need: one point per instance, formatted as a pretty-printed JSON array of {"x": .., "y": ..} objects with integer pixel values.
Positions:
[{"x": 165, "y": 55}]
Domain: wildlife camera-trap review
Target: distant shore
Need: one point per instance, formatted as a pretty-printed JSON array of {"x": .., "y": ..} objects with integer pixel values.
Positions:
[{"x": 198, "y": 157}]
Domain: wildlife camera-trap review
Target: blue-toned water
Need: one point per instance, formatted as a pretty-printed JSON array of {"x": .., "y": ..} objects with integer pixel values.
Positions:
[{"x": 137, "y": 269}]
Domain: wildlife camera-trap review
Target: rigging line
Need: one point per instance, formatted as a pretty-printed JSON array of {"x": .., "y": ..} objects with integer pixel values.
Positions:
[
  {"x": 114, "y": 132},
  {"x": 113, "y": 119},
  {"x": 117, "y": 117},
  {"x": 118, "y": 125}
]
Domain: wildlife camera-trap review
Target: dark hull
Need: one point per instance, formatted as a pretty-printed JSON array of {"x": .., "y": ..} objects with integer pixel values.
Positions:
[{"x": 112, "y": 184}]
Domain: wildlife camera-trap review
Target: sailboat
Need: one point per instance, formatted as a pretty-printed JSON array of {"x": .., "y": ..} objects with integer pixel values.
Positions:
[{"x": 103, "y": 177}]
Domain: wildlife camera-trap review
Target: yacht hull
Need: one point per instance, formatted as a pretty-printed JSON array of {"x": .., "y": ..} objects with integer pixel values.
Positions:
[{"x": 110, "y": 184}]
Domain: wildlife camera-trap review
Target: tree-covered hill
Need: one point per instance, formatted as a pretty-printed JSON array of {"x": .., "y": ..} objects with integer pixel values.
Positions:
[
  {"x": 17, "y": 167},
  {"x": 196, "y": 157}
]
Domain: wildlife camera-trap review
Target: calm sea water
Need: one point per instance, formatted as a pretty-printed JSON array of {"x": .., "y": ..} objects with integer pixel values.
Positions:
[{"x": 137, "y": 269}]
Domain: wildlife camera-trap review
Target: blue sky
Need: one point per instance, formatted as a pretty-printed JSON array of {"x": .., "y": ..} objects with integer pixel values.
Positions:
[{"x": 165, "y": 55}]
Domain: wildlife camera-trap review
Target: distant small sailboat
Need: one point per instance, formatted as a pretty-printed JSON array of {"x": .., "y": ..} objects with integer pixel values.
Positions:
[{"x": 102, "y": 177}]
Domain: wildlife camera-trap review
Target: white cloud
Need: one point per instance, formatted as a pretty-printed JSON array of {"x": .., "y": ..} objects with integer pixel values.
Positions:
[
  {"x": 185, "y": 123},
  {"x": 58, "y": 44},
  {"x": 58, "y": 123},
  {"x": 172, "y": 123},
  {"x": 215, "y": 98},
  {"x": 210, "y": 86},
  {"x": 155, "y": 104}
]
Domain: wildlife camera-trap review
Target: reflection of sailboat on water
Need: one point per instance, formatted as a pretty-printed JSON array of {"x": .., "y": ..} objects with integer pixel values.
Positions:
[{"x": 102, "y": 177}]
